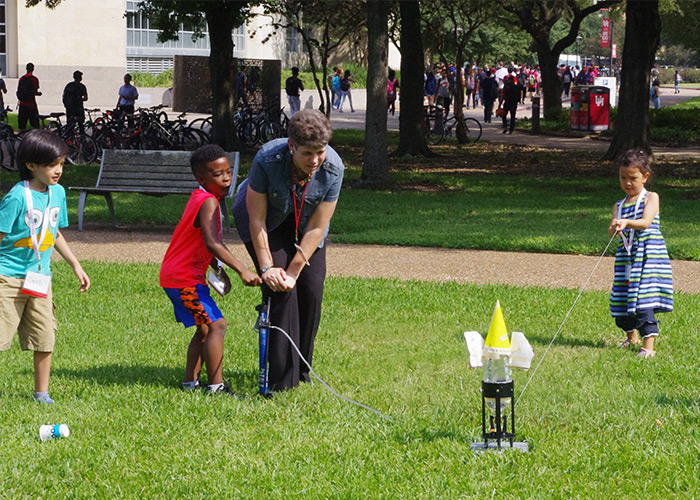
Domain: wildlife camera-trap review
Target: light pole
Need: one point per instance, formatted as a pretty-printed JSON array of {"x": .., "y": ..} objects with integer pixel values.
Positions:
[{"x": 578, "y": 54}]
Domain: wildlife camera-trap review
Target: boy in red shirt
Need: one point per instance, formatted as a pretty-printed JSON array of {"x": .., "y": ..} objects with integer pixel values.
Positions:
[{"x": 196, "y": 244}]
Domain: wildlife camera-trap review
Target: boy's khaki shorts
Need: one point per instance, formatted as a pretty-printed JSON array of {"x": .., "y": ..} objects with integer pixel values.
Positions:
[{"x": 32, "y": 318}]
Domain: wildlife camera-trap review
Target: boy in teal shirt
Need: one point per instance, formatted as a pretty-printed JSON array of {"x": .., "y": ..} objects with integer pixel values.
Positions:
[{"x": 30, "y": 217}]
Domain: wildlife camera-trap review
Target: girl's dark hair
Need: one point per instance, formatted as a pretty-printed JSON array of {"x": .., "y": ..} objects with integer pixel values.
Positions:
[
  {"x": 309, "y": 127},
  {"x": 636, "y": 158},
  {"x": 41, "y": 148},
  {"x": 203, "y": 155}
]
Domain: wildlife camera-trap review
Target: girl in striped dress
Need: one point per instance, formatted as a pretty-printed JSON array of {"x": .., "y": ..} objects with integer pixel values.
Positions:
[{"x": 643, "y": 283}]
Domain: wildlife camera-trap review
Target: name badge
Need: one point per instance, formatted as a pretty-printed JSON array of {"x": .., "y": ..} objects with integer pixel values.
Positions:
[
  {"x": 216, "y": 282},
  {"x": 36, "y": 285}
]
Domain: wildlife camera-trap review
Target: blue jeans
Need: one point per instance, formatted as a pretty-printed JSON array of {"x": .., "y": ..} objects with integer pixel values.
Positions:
[{"x": 294, "y": 104}]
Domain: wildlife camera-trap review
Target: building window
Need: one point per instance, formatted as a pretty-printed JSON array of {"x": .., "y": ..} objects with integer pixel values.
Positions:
[
  {"x": 145, "y": 54},
  {"x": 292, "y": 39},
  {"x": 140, "y": 33}
]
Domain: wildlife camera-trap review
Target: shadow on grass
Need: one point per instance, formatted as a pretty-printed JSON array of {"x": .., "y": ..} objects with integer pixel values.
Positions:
[
  {"x": 566, "y": 341},
  {"x": 161, "y": 376},
  {"x": 677, "y": 402}
]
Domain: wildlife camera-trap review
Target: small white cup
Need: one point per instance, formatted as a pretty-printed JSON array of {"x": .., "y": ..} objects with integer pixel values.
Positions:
[{"x": 56, "y": 431}]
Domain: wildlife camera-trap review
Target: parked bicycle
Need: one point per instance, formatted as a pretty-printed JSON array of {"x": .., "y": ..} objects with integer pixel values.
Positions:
[
  {"x": 438, "y": 128},
  {"x": 9, "y": 143},
  {"x": 82, "y": 148}
]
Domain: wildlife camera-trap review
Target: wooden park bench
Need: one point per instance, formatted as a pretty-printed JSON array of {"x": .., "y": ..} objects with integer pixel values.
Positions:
[{"x": 153, "y": 173}]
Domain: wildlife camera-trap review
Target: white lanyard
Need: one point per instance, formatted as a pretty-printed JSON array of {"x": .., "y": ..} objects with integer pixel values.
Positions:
[
  {"x": 628, "y": 242},
  {"x": 30, "y": 221}
]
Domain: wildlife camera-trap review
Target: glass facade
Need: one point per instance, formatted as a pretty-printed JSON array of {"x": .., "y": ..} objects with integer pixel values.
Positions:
[{"x": 146, "y": 54}]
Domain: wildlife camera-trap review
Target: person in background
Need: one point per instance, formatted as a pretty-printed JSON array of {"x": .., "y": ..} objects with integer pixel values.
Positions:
[
  {"x": 511, "y": 97},
  {"x": 128, "y": 94},
  {"x": 74, "y": 95},
  {"x": 27, "y": 91},
  {"x": 429, "y": 89},
  {"x": 293, "y": 85},
  {"x": 3, "y": 91},
  {"x": 655, "y": 93},
  {"x": 392, "y": 88},
  {"x": 345, "y": 84},
  {"x": 490, "y": 94}
]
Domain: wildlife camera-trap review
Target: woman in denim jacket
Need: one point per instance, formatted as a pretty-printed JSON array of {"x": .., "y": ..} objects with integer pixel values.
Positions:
[{"x": 282, "y": 213}]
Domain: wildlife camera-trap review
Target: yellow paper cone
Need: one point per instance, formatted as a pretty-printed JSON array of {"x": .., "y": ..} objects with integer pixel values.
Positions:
[{"x": 497, "y": 339}]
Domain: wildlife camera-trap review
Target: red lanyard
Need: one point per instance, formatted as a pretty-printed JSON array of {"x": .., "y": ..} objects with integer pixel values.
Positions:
[{"x": 297, "y": 214}]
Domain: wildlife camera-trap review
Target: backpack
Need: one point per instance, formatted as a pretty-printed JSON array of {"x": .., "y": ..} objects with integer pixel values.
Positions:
[
  {"x": 389, "y": 88},
  {"x": 430, "y": 86},
  {"x": 344, "y": 85},
  {"x": 522, "y": 79},
  {"x": 495, "y": 91},
  {"x": 531, "y": 80},
  {"x": 291, "y": 86},
  {"x": 25, "y": 89}
]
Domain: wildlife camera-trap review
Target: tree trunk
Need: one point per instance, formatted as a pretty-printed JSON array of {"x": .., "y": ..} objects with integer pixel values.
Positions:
[
  {"x": 411, "y": 134},
  {"x": 458, "y": 100},
  {"x": 375, "y": 169},
  {"x": 642, "y": 36},
  {"x": 221, "y": 19},
  {"x": 551, "y": 85}
]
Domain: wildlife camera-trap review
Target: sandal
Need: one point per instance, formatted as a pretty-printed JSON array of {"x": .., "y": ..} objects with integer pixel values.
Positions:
[
  {"x": 646, "y": 353},
  {"x": 628, "y": 343}
]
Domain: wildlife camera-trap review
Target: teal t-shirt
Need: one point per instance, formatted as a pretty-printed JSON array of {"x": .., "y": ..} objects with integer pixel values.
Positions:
[{"x": 16, "y": 252}]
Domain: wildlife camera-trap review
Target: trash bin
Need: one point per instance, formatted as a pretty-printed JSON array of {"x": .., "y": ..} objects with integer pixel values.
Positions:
[
  {"x": 575, "y": 109},
  {"x": 599, "y": 114},
  {"x": 584, "y": 107}
]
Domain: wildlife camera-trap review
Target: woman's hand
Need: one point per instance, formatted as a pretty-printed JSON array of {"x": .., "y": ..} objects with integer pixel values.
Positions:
[{"x": 278, "y": 280}]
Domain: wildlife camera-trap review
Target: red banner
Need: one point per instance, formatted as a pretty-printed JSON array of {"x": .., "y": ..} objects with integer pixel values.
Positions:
[{"x": 605, "y": 33}]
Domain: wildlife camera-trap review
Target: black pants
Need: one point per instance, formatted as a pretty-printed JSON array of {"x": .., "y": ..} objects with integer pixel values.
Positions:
[
  {"x": 27, "y": 114},
  {"x": 644, "y": 322},
  {"x": 511, "y": 110},
  {"x": 488, "y": 110},
  {"x": 297, "y": 312}
]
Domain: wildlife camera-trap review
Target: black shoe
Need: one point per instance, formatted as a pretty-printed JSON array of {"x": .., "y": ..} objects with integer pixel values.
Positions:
[
  {"x": 224, "y": 389},
  {"x": 504, "y": 131}
]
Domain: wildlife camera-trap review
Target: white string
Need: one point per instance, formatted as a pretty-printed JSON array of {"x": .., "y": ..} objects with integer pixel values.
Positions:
[
  {"x": 324, "y": 383},
  {"x": 567, "y": 317}
]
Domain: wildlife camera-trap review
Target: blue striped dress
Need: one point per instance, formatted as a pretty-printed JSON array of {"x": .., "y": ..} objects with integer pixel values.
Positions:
[{"x": 650, "y": 284}]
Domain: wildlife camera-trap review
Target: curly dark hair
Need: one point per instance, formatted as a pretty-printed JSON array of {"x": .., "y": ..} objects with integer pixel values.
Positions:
[
  {"x": 309, "y": 127},
  {"x": 203, "y": 155}
]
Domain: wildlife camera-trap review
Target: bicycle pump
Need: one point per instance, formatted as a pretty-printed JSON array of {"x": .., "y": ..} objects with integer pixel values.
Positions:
[{"x": 263, "y": 327}]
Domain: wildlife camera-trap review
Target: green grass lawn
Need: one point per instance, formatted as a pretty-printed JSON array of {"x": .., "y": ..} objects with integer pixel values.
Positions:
[{"x": 599, "y": 421}]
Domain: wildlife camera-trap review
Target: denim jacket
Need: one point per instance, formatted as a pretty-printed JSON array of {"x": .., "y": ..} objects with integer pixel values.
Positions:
[{"x": 271, "y": 174}]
